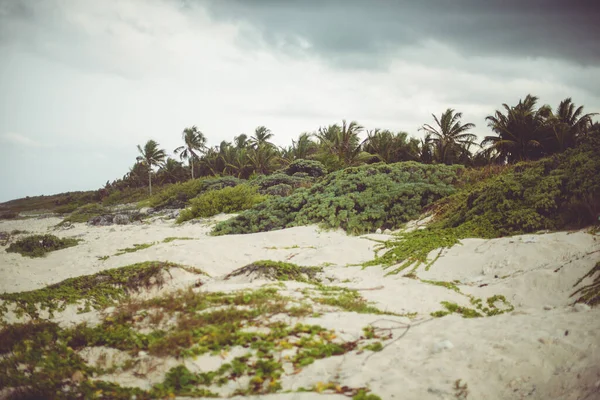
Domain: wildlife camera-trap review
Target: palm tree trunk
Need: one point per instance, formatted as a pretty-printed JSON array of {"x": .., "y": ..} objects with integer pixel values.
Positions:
[
  {"x": 192, "y": 165},
  {"x": 150, "y": 181}
]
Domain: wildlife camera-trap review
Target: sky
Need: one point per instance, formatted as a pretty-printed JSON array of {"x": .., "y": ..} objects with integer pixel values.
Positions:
[{"x": 83, "y": 82}]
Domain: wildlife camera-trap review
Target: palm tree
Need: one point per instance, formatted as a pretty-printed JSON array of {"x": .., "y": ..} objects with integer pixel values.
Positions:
[
  {"x": 151, "y": 156},
  {"x": 341, "y": 142},
  {"x": 449, "y": 136},
  {"x": 171, "y": 171},
  {"x": 241, "y": 141},
  {"x": 304, "y": 147},
  {"x": 520, "y": 130},
  {"x": 195, "y": 141},
  {"x": 262, "y": 134},
  {"x": 264, "y": 158},
  {"x": 567, "y": 125},
  {"x": 389, "y": 147}
]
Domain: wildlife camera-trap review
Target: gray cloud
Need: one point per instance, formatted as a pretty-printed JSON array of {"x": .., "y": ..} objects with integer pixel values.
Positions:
[
  {"x": 367, "y": 33},
  {"x": 83, "y": 82}
]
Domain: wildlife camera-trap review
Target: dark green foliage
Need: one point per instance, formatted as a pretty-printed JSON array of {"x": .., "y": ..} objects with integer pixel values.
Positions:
[
  {"x": 226, "y": 200},
  {"x": 552, "y": 193},
  {"x": 311, "y": 167},
  {"x": 264, "y": 182},
  {"x": 589, "y": 294},
  {"x": 280, "y": 271},
  {"x": 359, "y": 200},
  {"x": 85, "y": 213},
  {"x": 281, "y": 190},
  {"x": 178, "y": 194},
  {"x": 39, "y": 245}
]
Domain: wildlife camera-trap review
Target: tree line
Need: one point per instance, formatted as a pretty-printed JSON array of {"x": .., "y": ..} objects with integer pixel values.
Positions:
[{"x": 521, "y": 132}]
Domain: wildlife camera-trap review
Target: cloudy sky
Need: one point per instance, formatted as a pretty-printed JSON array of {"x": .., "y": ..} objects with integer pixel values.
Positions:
[{"x": 82, "y": 82}]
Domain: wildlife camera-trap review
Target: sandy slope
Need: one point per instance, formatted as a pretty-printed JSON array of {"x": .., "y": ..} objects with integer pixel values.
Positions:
[{"x": 544, "y": 349}]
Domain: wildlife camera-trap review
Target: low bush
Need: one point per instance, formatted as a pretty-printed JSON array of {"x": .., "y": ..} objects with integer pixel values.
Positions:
[
  {"x": 310, "y": 167},
  {"x": 264, "y": 182},
  {"x": 280, "y": 271},
  {"x": 562, "y": 191},
  {"x": 226, "y": 200},
  {"x": 130, "y": 195},
  {"x": 178, "y": 194},
  {"x": 552, "y": 193},
  {"x": 280, "y": 190},
  {"x": 85, "y": 213},
  {"x": 359, "y": 199},
  {"x": 39, "y": 245}
]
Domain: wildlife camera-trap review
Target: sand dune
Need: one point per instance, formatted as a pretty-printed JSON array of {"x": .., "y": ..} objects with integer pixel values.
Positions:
[{"x": 543, "y": 349}]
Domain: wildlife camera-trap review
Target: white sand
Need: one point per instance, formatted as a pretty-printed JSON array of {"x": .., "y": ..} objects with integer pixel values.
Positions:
[{"x": 544, "y": 349}]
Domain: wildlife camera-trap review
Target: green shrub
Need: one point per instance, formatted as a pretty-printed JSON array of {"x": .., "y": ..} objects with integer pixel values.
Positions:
[
  {"x": 178, "y": 194},
  {"x": 85, "y": 213},
  {"x": 66, "y": 208},
  {"x": 280, "y": 190},
  {"x": 310, "y": 167},
  {"x": 359, "y": 200},
  {"x": 39, "y": 245},
  {"x": 226, "y": 200},
  {"x": 552, "y": 193},
  {"x": 264, "y": 182},
  {"x": 130, "y": 195},
  {"x": 280, "y": 271}
]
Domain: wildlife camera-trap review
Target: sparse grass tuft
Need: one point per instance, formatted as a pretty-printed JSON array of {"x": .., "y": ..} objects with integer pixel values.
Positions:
[
  {"x": 589, "y": 294},
  {"x": 94, "y": 291},
  {"x": 136, "y": 247},
  {"x": 280, "y": 271},
  {"x": 173, "y": 238}
]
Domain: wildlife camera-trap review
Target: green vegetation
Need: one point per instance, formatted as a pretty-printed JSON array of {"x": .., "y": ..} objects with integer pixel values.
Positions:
[
  {"x": 195, "y": 142},
  {"x": 490, "y": 310},
  {"x": 346, "y": 299},
  {"x": 358, "y": 200},
  {"x": 150, "y": 156},
  {"x": 589, "y": 294},
  {"x": 136, "y": 247},
  {"x": 266, "y": 183},
  {"x": 45, "y": 356},
  {"x": 178, "y": 194},
  {"x": 412, "y": 249},
  {"x": 60, "y": 203},
  {"x": 40, "y": 245},
  {"x": 94, "y": 291},
  {"x": 552, "y": 193},
  {"x": 173, "y": 238},
  {"x": 279, "y": 271},
  {"x": 311, "y": 168},
  {"x": 226, "y": 200},
  {"x": 85, "y": 213}
]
